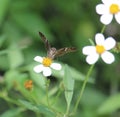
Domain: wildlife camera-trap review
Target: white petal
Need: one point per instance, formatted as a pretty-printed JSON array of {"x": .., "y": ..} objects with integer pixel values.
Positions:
[
  {"x": 101, "y": 9},
  {"x": 109, "y": 43},
  {"x": 38, "y": 59},
  {"x": 56, "y": 66},
  {"x": 91, "y": 59},
  {"x": 47, "y": 71},
  {"x": 89, "y": 50},
  {"x": 38, "y": 68},
  {"x": 108, "y": 2},
  {"x": 106, "y": 18},
  {"x": 117, "y": 17},
  {"x": 108, "y": 57},
  {"x": 116, "y": 2},
  {"x": 105, "y": 1},
  {"x": 99, "y": 39}
]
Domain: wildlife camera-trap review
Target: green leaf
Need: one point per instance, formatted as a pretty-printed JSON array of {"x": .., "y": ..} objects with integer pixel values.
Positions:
[
  {"x": 37, "y": 108},
  {"x": 77, "y": 75},
  {"x": 110, "y": 105},
  {"x": 14, "y": 79},
  {"x": 12, "y": 112},
  {"x": 2, "y": 39},
  {"x": 96, "y": 98},
  {"x": 39, "y": 79},
  {"x": 15, "y": 56},
  {"x": 10, "y": 78},
  {"x": 3, "y": 8},
  {"x": 4, "y": 64},
  {"x": 69, "y": 85},
  {"x": 92, "y": 42},
  {"x": 32, "y": 24}
]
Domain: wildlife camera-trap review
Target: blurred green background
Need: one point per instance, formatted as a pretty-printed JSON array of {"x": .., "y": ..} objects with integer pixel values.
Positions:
[{"x": 65, "y": 23}]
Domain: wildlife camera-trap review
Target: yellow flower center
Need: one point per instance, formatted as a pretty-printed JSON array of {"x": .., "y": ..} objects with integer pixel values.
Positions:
[
  {"x": 47, "y": 61},
  {"x": 114, "y": 8},
  {"x": 100, "y": 49}
]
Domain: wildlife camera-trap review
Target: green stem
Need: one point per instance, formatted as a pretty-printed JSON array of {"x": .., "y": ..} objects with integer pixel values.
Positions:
[
  {"x": 67, "y": 111},
  {"x": 47, "y": 83},
  {"x": 47, "y": 97},
  {"x": 47, "y": 86},
  {"x": 4, "y": 95},
  {"x": 58, "y": 94},
  {"x": 83, "y": 88},
  {"x": 103, "y": 29}
]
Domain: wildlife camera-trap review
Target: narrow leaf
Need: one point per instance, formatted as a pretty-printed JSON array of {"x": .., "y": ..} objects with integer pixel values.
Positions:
[
  {"x": 12, "y": 112},
  {"x": 110, "y": 105},
  {"x": 69, "y": 85},
  {"x": 77, "y": 74},
  {"x": 37, "y": 108}
]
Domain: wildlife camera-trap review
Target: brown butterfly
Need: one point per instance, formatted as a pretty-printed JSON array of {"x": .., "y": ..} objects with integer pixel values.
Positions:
[{"x": 52, "y": 52}]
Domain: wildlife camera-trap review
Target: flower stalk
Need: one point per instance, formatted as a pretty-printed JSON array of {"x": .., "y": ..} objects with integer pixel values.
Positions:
[{"x": 83, "y": 88}]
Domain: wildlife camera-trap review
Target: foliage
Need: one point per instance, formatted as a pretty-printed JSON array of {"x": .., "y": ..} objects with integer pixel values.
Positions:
[{"x": 65, "y": 24}]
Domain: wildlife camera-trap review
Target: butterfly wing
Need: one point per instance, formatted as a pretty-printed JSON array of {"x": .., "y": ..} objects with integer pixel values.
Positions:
[
  {"x": 65, "y": 50},
  {"x": 52, "y": 52},
  {"x": 44, "y": 39}
]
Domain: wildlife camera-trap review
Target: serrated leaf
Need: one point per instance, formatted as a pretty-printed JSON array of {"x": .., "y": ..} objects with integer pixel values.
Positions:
[
  {"x": 69, "y": 85},
  {"x": 37, "y": 108},
  {"x": 110, "y": 105},
  {"x": 12, "y": 112}
]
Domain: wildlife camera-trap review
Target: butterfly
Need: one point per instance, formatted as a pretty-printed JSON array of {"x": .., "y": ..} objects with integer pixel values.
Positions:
[{"x": 52, "y": 52}]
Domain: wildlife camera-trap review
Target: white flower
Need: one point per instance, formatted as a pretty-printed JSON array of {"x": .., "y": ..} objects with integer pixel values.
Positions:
[
  {"x": 107, "y": 10},
  {"x": 46, "y": 65},
  {"x": 100, "y": 50}
]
